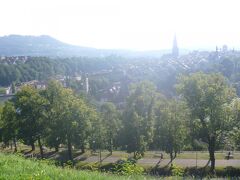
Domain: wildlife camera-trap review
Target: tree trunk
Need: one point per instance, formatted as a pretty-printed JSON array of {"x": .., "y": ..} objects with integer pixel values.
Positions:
[
  {"x": 100, "y": 157},
  {"x": 40, "y": 147},
  {"x": 69, "y": 142},
  {"x": 211, "y": 150},
  {"x": 171, "y": 157},
  {"x": 111, "y": 146},
  {"x": 15, "y": 144},
  {"x": 32, "y": 145},
  {"x": 83, "y": 148},
  {"x": 56, "y": 148},
  {"x": 134, "y": 155}
]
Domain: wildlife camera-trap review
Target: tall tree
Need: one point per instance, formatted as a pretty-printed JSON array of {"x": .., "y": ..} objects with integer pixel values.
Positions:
[
  {"x": 69, "y": 118},
  {"x": 111, "y": 124},
  {"x": 138, "y": 118},
  {"x": 82, "y": 117},
  {"x": 234, "y": 135},
  {"x": 207, "y": 96},
  {"x": 170, "y": 128},
  {"x": 31, "y": 116},
  {"x": 55, "y": 97},
  {"x": 9, "y": 124}
]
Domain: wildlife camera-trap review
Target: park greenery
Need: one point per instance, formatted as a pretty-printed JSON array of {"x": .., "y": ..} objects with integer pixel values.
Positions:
[
  {"x": 190, "y": 104},
  {"x": 206, "y": 109},
  {"x": 17, "y": 167}
]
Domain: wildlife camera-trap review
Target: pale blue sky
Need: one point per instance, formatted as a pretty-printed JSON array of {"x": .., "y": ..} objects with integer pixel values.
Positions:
[{"x": 126, "y": 24}]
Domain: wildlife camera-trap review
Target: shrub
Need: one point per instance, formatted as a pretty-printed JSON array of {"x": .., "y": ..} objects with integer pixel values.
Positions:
[
  {"x": 127, "y": 167},
  {"x": 68, "y": 164},
  {"x": 176, "y": 170},
  {"x": 108, "y": 167},
  {"x": 157, "y": 171},
  {"x": 87, "y": 166},
  {"x": 228, "y": 172}
]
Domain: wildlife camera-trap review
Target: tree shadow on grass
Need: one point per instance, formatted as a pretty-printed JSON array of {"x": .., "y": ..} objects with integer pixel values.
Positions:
[
  {"x": 170, "y": 162},
  {"x": 108, "y": 155},
  {"x": 50, "y": 154},
  {"x": 158, "y": 163}
]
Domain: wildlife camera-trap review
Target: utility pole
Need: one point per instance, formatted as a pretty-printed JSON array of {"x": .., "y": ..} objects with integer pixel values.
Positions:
[
  {"x": 196, "y": 159},
  {"x": 100, "y": 149}
]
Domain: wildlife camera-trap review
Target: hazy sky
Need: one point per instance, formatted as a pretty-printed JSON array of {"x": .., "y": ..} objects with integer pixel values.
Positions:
[{"x": 126, "y": 24}]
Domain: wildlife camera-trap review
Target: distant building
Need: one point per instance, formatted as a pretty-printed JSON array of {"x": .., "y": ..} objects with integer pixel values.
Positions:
[
  {"x": 40, "y": 85},
  {"x": 175, "y": 50},
  {"x": 77, "y": 78},
  {"x": 5, "y": 91},
  {"x": 225, "y": 48},
  {"x": 35, "y": 83},
  {"x": 8, "y": 90}
]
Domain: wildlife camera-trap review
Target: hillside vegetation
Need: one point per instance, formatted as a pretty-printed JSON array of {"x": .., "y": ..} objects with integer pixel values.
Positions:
[{"x": 16, "y": 167}]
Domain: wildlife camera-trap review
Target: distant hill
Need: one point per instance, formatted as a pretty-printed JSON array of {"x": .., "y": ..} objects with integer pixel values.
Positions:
[{"x": 17, "y": 45}]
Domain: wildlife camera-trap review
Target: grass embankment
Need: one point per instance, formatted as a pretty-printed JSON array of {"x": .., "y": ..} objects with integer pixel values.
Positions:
[{"x": 13, "y": 167}]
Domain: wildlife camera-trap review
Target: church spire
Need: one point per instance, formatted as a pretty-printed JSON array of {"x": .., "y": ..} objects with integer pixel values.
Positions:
[{"x": 175, "y": 51}]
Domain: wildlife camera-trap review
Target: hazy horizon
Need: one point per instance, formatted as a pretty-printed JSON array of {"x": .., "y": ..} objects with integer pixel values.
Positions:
[{"x": 133, "y": 25}]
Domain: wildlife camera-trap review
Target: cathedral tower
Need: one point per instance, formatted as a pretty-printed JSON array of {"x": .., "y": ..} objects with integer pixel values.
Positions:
[{"x": 175, "y": 51}]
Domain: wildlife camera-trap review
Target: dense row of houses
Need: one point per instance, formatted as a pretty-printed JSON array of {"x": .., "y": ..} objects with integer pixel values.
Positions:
[
  {"x": 41, "y": 85},
  {"x": 13, "y": 59}
]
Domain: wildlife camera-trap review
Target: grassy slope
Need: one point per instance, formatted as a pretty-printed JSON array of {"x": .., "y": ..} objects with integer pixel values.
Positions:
[{"x": 15, "y": 167}]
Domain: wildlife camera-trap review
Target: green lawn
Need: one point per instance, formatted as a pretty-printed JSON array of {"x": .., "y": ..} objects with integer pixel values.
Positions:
[
  {"x": 205, "y": 155},
  {"x": 14, "y": 167},
  {"x": 182, "y": 155},
  {"x": 122, "y": 154}
]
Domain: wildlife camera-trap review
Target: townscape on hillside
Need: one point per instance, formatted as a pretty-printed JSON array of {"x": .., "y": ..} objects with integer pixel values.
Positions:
[{"x": 143, "y": 108}]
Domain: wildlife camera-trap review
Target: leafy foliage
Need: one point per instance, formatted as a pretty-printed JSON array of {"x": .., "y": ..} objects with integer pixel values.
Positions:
[
  {"x": 171, "y": 126},
  {"x": 127, "y": 167},
  {"x": 208, "y": 97},
  {"x": 15, "y": 167},
  {"x": 176, "y": 170},
  {"x": 138, "y": 118}
]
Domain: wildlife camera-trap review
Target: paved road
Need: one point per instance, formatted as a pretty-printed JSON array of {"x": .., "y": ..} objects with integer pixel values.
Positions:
[{"x": 182, "y": 162}]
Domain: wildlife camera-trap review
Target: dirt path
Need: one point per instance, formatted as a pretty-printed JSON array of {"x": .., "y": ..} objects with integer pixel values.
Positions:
[{"x": 181, "y": 162}]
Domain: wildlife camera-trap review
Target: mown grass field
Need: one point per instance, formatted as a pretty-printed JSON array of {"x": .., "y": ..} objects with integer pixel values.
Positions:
[
  {"x": 182, "y": 155},
  {"x": 123, "y": 154},
  {"x": 13, "y": 167}
]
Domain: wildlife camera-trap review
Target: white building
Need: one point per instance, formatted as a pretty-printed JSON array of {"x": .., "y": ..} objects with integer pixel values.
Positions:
[{"x": 8, "y": 90}]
